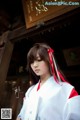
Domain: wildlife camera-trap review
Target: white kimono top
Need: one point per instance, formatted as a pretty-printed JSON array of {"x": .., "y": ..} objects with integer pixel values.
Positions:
[{"x": 50, "y": 102}]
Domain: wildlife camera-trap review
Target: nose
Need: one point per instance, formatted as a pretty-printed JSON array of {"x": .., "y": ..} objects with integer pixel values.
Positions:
[{"x": 35, "y": 64}]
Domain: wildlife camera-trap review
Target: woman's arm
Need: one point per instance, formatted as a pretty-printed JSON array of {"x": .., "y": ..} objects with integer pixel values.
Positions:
[{"x": 72, "y": 109}]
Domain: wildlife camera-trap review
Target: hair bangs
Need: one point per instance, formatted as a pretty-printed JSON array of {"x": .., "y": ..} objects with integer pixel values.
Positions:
[{"x": 32, "y": 55}]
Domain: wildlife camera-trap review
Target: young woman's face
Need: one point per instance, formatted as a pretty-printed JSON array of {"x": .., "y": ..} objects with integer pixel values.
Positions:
[{"x": 40, "y": 67}]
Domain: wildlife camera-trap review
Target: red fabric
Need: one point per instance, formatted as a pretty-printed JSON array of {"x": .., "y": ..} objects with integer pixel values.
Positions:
[
  {"x": 62, "y": 77},
  {"x": 38, "y": 86},
  {"x": 73, "y": 93},
  {"x": 50, "y": 53}
]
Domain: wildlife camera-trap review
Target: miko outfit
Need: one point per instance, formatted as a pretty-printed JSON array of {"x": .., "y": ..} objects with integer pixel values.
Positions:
[{"x": 52, "y": 101}]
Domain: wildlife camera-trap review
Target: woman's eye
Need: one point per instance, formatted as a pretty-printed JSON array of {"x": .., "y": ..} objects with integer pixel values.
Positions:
[{"x": 35, "y": 60}]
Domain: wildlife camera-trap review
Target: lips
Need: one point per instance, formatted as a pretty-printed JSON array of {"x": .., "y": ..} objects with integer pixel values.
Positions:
[{"x": 37, "y": 70}]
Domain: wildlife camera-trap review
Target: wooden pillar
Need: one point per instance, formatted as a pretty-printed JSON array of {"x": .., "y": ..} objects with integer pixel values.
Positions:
[{"x": 4, "y": 65}]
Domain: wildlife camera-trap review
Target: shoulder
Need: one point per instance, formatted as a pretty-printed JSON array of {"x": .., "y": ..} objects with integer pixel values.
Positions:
[
  {"x": 66, "y": 85},
  {"x": 67, "y": 88},
  {"x": 29, "y": 90}
]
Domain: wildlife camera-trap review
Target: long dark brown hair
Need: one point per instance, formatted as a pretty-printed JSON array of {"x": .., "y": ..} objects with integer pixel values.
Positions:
[{"x": 41, "y": 50}]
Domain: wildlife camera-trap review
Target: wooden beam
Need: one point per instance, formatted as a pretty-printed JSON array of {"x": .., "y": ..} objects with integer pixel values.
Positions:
[{"x": 22, "y": 32}]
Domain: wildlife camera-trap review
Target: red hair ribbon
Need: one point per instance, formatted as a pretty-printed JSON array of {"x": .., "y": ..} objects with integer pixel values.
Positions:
[
  {"x": 50, "y": 53},
  {"x": 62, "y": 77}
]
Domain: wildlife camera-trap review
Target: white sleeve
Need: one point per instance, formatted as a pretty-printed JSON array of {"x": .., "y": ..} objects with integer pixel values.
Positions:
[
  {"x": 72, "y": 109},
  {"x": 22, "y": 111},
  {"x": 25, "y": 103}
]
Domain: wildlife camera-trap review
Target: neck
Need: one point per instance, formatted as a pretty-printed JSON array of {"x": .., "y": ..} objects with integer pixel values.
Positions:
[{"x": 44, "y": 78}]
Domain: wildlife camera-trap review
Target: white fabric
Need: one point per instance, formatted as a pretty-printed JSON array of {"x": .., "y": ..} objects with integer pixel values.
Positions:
[
  {"x": 72, "y": 109},
  {"x": 50, "y": 102}
]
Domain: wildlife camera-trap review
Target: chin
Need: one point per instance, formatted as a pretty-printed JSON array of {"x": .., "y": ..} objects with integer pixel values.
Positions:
[{"x": 38, "y": 74}]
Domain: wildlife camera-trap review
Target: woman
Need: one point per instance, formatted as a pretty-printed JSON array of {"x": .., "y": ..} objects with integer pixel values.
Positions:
[{"x": 52, "y": 97}]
